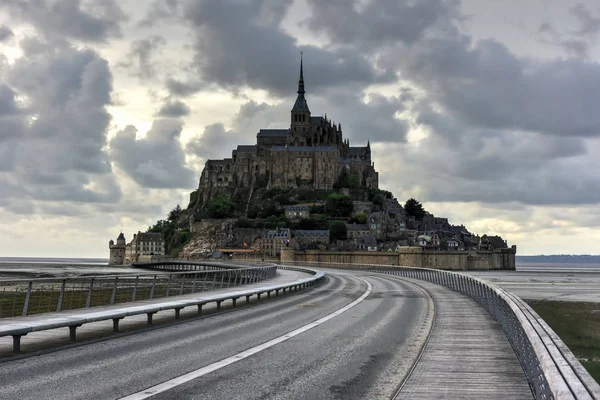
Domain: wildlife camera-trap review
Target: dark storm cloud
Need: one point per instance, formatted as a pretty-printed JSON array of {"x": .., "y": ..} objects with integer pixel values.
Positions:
[
  {"x": 501, "y": 127},
  {"x": 577, "y": 46},
  {"x": 140, "y": 57},
  {"x": 94, "y": 20},
  {"x": 238, "y": 44},
  {"x": 215, "y": 142},
  {"x": 183, "y": 89},
  {"x": 161, "y": 11},
  {"x": 174, "y": 109},
  {"x": 589, "y": 25},
  {"x": 486, "y": 85},
  {"x": 156, "y": 160},
  {"x": 5, "y": 33},
  {"x": 56, "y": 141},
  {"x": 378, "y": 22}
]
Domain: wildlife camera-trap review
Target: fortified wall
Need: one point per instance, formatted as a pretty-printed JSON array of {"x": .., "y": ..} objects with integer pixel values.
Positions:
[{"x": 501, "y": 259}]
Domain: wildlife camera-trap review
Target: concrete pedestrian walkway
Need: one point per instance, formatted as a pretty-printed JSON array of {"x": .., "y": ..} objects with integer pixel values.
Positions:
[{"x": 52, "y": 338}]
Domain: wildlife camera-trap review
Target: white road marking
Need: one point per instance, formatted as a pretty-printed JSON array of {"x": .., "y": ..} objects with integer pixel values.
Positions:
[{"x": 170, "y": 384}]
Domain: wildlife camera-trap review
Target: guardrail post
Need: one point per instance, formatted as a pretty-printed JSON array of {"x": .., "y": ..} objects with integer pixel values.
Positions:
[
  {"x": 168, "y": 285},
  {"x": 114, "y": 292},
  {"x": 61, "y": 296},
  {"x": 152, "y": 288},
  {"x": 222, "y": 280},
  {"x": 195, "y": 280},
  {"x": 88, "y": 301},
  {"x": 137, "y": 278},
  {"x": 177, "y": 313},
  {"x": 116, "y": 324},
  {"x": 17, "y": 343},
  {"x": 73, "y": 332},
  {"x": 27, "y": 297}
]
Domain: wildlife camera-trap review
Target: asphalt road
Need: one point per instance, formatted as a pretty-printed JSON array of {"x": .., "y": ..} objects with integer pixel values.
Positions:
[{"x": 361, "y": 353}]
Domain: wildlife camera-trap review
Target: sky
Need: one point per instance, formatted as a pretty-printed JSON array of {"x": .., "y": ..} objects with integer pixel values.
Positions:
[{"x": 487, "y": 112}]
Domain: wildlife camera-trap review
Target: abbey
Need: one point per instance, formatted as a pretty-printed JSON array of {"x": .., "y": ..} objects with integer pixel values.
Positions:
[{"x": 312, "y": 153}]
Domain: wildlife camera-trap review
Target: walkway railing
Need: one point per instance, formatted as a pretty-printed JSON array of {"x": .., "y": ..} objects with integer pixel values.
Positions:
[
  {"x": 21, "y": 297},
  {"x": 19, "y": 327},
  {"x": 551, "y": 369}
]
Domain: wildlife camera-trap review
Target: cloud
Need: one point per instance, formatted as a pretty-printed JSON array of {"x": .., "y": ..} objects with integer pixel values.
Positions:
[
  {"x": 377, "y": 23},
  {"x": 56, "y": 135},
  {"x": 5, "y": 33},
  {"x": 161, "y": 11},
  {"x": 140, "y": 58},
  {"x": 589, "y": 26},
  {"x": 92, "y": 20},
  {"x": 216, "y": 142},
  {"x": 174, "y": 109},
  {"x": 156, "y": 160},
  {"x": 239, "y": 45},
  {"x": 183, "y": 89}
]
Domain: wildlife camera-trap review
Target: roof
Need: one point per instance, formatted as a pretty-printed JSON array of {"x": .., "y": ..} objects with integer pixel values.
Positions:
[
  {"x": 243, "y": 148},
  {"x": 282, "y": 233},
  {"x": 312, "y": 232},
  {"x": 497, "y": 242},
  {"x": 148, "y": 237},
  {"x": 317, "y": 149},
  {"x": 273, "y": 132},
  {"x": 369, "y": 240},
  {"x": 121, "y": 236},
  {"x": 300, "y": 105},
  {"x": 356, "y": 151},
  {"x": 297, "y": 208},
  {"x": 316, "y": 120}
]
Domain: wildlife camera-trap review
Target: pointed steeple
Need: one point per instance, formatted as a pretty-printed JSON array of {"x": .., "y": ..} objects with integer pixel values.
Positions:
[
  {"x": 301, "y": 80},
  {"x": 301, "y": 106},
  {"x": 369, "y": 144}
]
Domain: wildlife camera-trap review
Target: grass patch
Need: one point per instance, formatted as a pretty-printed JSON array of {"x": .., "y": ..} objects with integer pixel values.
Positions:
[{"x": 578, "y": 325}]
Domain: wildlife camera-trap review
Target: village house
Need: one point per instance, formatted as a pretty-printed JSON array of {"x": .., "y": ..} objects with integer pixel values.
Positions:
[
  {"x": 311, "y": 238},
  {"x": 357, "y": 230},
  {"x": 366, "y": 243},
  {"x": 297, "y": 212},
  {"x": 274, "y": 240}
]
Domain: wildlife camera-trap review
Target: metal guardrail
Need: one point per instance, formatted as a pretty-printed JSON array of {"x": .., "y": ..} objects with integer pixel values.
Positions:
[
  {"x": 551, "y": 369},
  {"x": 74, "y": 319},
  {"x": 22, "y": 297}
]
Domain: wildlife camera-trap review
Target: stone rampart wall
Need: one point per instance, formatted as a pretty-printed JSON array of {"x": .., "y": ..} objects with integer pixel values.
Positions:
[{"x": 412, "y": 257}]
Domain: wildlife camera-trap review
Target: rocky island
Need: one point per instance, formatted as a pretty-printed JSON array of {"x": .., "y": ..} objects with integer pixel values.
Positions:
[{"x": 303, "y": 193}]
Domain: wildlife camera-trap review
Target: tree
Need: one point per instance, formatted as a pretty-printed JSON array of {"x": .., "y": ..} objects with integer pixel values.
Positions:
[
  {"x": 360, "y": 218},
  {"x": 414, "y": 208},
  {"x": 338, "y": 205},
  {"x": 347, "y": 180},
  {"x": 175, "y": 213},
  {"x": 338, "y": 231},
  {"x": 220, "y": 207}
]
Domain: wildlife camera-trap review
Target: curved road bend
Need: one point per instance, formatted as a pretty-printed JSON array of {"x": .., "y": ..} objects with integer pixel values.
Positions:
[{"x": 361, "y": 353}]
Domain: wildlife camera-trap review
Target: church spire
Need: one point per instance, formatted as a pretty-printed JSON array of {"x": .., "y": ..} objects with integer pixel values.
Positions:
[
  {"x": 301, "y": 80},
  {"x": 301, "y": 107}
]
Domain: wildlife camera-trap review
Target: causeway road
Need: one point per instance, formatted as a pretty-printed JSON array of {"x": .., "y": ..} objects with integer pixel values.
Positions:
[{"x": 354, "y": 337}]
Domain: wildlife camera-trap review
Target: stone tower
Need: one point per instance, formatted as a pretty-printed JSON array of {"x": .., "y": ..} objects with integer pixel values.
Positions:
[
  {"x": 117, "y": 251},
  {"x": 300, "y": 125}
]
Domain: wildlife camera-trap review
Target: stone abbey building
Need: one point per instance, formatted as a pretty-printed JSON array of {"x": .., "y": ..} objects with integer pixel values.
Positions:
[{"x": 312, "y": 153}]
